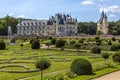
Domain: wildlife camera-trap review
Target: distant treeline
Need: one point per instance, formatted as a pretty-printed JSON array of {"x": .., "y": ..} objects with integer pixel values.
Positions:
[
  {"x": 91, "y": 28},
  {"x": 83, "y": 27}
]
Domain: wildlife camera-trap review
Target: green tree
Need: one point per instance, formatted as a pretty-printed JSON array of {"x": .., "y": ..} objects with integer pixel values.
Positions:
[
  {"x": 105, "y": 56},
  {"x": 48, "y": 44},
  {"x": 60, "y": 44},
  {"x": 77, "y": 46},
  {"x": 2, "y": 45},
  {"x": 35, "y": 44},
  {"x": 42, "y": 64}
]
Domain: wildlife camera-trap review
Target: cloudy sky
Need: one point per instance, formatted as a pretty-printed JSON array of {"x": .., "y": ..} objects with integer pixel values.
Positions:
[{"x": 84, "y": 10}]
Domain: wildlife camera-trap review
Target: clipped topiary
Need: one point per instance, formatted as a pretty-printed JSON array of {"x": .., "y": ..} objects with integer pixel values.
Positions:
[
  {"x": 81, "y": 66},
  {"x": 42, "y": 64},
  {"x": 2, "y": 45},
  {"x": 96, "y": 50},
  {"x": 116, "y": 57},
  {"x": 60, "y": 44},
  {"x": 35, "y": 44}
]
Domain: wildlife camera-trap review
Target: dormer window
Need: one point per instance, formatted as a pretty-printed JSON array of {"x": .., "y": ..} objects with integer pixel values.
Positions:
[
  {"x": 24, "y": 24},
  {"x": 28, "y": 24},
  {"x": 32, "y": 24}
]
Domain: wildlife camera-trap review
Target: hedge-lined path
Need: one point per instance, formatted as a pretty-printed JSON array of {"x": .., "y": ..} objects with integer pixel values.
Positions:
[
  {"x": 43, "y": 74},
  {"x": 111, "y": 76}
]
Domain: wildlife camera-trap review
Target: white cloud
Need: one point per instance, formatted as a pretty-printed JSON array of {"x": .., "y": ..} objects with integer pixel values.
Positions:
[
  {"x": 21, "y": 16},
  {"x": 87, "y": 2},
  {"x": 112, "y": 16},
  {"x": 112, "y": 9},
  {"x": 10, "y": 14}
]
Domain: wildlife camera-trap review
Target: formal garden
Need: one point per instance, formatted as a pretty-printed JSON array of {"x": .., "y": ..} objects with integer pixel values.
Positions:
[{"x": 58, "y": 58}]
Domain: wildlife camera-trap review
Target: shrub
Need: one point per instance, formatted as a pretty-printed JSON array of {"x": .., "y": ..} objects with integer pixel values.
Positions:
[
  {"x": 96, "y": 50},
  {"x": 60, "y": 43},
  {"x": 71, "y": 74},
  {"x": 53, "y": 41},
  {"x": 116, "y": 57},
  {"x": 35, "y": 44},
  {"x": 105, "y": 55},
  {"x": 113, "y": 39},
  {"x": 109, "y": 42},
  {"x": 2, "y": 45},
  {"x": 81, "y": 66},
  {"x": 72, "y": 42},
  {"x": 115, "y": 47},
  {"x": 98, "y": 42},
  {"x": 77, "y": 46},
  {"x": 42, "y": 64},
  {"x": 81, "y": 41},
  {"x": 97, "y": 38}
]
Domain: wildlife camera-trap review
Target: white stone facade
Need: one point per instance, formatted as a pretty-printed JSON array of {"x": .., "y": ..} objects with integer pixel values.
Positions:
[{"x": 59, "y": 25}]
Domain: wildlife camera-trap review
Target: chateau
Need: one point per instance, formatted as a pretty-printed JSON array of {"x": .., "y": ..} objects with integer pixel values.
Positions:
[
  {"x": 58, "y": 25},
  {"x": 102, "y": 25}
]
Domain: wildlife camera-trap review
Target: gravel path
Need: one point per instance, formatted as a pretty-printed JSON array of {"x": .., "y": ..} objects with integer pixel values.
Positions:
[{"x": 111, "y": 76}]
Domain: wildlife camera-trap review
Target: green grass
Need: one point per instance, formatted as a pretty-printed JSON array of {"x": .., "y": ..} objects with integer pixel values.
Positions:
[{"x": 14, "y": 55}]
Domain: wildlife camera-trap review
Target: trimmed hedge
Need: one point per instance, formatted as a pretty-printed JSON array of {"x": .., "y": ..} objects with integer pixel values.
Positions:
[
  {"x": 2, "y": 45},
  {"x": 81, "y": 66}
]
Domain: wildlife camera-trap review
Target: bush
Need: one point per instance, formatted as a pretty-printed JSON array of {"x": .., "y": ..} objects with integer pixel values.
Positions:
[
  {"x": 109, "y": 42},
  {"x": 81, "y": 41},
  {"x": 2, "y": 45},
  {"x": 96, "y": 50},
  {"x": 77, "y": 46},
  {"x": 105, "y": 55},
  {"x": 71, "y": 74},
  {"x": 35, "y": 44},
  {"x": 116, "y": 57},
  {"x": 113, "y": 39},
  {"x": 60, "y": 43},
  {"x": 98, "y": 42},
  {"x": 81, "y": 66},
  {"x": 115, "y": 47},
  {"x": 72, "y": 42},
  {"x": 53, "y": 41}
]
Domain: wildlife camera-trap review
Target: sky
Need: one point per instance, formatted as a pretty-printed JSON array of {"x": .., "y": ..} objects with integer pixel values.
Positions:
[{"x": 83, "y": 10}]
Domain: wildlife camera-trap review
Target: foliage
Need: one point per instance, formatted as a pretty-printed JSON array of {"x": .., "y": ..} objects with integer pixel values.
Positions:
[
  {"x": 105, "y": 55},
  {"x": 115, "y": 47},
  {"x": 87, "y": 28},
  {"x": 77, "y": 46},
  {"x": 35, "y": 44},
  {"x": 116, "y": 57},
  {"x": 109, "y": 42},
  {"x": 60, "y": 43},
  {"x": 2, "y": 45},
  {"x": 81, "y": 41},
  {"x": 96, "y": 49},
  {"x": 81, "y": 66},
  {"x": 72, "y": 42},
  {"x": 42, "y": 64},
  {"x": 8, "y": 21},
  {"x": 71, "y": 74},
  {"x": 113, "y": 39},
  {"x": 48, "y": 44},
  {"x": 53, "y": 41}
]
